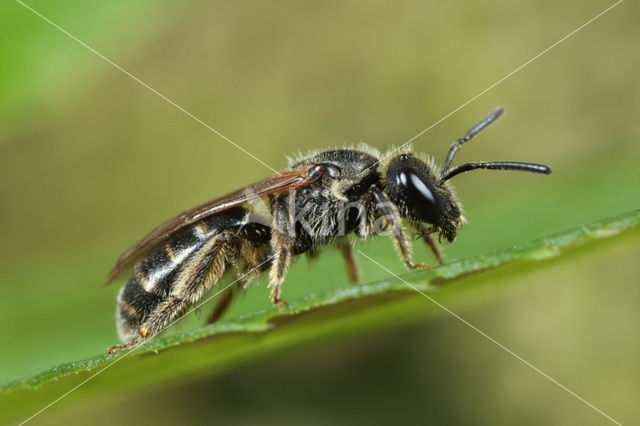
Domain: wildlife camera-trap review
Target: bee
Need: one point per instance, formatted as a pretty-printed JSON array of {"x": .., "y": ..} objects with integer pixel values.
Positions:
[{"x": 323, "y": 199}]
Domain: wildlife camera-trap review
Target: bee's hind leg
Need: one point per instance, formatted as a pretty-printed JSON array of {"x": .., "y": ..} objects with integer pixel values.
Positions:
[{"x": 197, "y": 281}]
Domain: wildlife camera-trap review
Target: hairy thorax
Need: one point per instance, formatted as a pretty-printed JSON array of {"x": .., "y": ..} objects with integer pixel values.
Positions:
[{"x": 332, "y": 207}]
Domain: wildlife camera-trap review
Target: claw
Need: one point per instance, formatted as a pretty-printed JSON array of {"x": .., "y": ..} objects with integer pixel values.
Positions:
[
  {"x": 422, "y": 266},
  {"x": 123, "y": 347},
  {"x": 279, "y": 303}
]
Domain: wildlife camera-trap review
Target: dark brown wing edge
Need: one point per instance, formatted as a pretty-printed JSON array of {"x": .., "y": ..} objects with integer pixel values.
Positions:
[{"x": 289, "y": 179}]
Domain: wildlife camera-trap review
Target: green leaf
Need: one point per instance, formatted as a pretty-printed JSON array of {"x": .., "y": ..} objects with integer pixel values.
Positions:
[{"x": 307, "y": 320}]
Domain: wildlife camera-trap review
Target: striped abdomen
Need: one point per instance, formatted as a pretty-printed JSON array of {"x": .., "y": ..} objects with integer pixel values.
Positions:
[{"x": 177, "y": 274}]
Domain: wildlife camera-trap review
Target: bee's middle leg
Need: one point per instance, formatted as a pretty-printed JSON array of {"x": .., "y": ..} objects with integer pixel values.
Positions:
[
  {"x": 281, "y": 260},
  {"x": 352, "y": 266},
  {"x": 223, "y": 304}
]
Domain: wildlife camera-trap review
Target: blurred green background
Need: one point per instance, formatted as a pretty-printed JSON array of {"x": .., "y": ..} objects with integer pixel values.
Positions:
[{"x": 90, "y": 161}]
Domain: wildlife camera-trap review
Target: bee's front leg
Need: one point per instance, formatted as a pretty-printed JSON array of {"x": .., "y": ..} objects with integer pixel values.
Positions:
[
  {"x": 432, "y": 244},
  {"x": 391, "y": 216}
]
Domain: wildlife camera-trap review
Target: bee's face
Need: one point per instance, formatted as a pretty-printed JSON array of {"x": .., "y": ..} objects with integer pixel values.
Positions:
[{"x": 421, "y": 195}]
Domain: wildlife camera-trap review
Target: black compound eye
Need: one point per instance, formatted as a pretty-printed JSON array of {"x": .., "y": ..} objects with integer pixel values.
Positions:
[
  {"x": 418, "y": 196},
  {"x": 416, "y": 188}
]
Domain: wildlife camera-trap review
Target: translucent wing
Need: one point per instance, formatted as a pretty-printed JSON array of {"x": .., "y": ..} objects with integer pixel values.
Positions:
[{"x": 289, "y": 179}]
